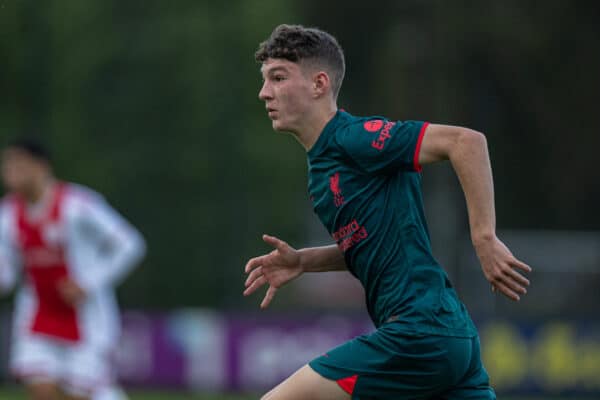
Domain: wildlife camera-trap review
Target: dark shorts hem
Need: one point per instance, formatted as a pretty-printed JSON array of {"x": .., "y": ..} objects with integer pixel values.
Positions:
[{"x": 388, "y": 365}]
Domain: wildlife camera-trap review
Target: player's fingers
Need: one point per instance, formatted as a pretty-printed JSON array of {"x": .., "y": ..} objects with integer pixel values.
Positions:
[
  {"x": 512, "y": 284},
  {"x": 521, "y": 265},
  {"x": 254, "y": 263},
  {"x": 508, "y": 292},
  {"x": 255, "y": 285},
  {"x": 517, "y": 277},
  {"x": 268, "y": 297},
  {"x": 275, "y": 242},
  {"x": 255, "y": 273}
]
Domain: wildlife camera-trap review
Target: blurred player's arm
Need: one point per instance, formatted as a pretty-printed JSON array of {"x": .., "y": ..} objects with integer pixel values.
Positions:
[
  {"x": 285, "y": 264},
  {"x": 9, "y": 265},
  {"x": 120, "y": 247},
  {"x": 468, "y": 153},
  {"x": 8, "y": 272}
]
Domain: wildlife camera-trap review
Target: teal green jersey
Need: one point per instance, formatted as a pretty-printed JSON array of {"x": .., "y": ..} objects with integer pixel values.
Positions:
[{"x": 365, "y": 185}]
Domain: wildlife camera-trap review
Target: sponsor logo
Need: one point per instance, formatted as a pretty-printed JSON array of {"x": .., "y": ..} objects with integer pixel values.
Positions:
[
  {"x": 373, "y": 125},
  {"x": 356, "y": 238},
  {"x": 334, "y": 186},
  {"x": 346, "y": 230},
  {"x": 379, "y": 143},
  {"x": 350, "y": 235}
]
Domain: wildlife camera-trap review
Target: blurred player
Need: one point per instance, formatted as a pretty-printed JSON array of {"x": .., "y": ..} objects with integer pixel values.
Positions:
[
  {"x": 72, "y": 249},
  {"x": 364, "y": 182}
]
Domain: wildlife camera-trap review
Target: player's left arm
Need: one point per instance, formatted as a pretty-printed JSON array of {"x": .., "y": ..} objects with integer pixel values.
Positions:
[
  {"x": 468, "y": 153},
  {"x": 119, "y": 246}
]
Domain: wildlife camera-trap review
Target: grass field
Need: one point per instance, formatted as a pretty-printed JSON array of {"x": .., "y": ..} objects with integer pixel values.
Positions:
[{"x": 15, "y": 394}]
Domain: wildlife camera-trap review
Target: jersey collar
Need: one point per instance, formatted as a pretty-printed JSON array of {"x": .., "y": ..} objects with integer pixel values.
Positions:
[{"x": 331, "y": 126}]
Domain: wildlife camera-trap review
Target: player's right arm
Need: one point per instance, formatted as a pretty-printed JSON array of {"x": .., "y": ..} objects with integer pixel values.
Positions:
[{"x": 285, "y": 264}]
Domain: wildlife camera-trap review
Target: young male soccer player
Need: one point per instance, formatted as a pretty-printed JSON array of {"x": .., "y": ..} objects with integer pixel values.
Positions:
[
  {"x": 72, "y": 249},
  {"x": 364, "y": 182}
]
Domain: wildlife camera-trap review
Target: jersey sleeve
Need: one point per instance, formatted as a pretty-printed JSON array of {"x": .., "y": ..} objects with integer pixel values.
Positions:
[
  {"x": 383, "y": 146},
  {"x": 119, "y": 247}
]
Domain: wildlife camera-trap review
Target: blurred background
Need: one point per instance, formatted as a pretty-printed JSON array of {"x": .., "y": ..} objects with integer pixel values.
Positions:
[{"x": 154, "y": 104}]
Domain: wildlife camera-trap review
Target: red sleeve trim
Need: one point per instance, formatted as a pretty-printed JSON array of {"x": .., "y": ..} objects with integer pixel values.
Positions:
[
  {"x": 416, "y": 164},
  {"x": 347, "y": 384}
]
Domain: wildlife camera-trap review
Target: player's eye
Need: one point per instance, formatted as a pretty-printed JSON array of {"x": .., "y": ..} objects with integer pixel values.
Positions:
[{"x": 278, "y": 78}]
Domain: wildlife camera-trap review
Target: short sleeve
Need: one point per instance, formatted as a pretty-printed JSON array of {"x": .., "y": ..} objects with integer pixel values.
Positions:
[{"x": 383, "y": 146}]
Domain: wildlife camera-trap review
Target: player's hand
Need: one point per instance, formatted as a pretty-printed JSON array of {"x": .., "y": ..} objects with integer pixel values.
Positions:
[
  {"x": 71, "y": 292},
  {"x": 500, "y": 268},
  {"x": 276, "y": 269}
]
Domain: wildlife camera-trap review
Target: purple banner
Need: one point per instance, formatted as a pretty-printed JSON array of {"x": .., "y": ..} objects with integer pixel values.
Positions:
[
  {"x": 206, "y": 350},
  {"x": 265, "y": 351},
  {"x": 180, "y": 349}
]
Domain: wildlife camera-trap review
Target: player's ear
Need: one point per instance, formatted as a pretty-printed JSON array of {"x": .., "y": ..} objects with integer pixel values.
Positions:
[{"x": 321, "y": 84}]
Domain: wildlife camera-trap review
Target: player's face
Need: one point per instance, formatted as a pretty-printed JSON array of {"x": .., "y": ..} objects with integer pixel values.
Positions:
[
  {"x": 287, "y": 93},
  {"x": 19, "y": 170}
]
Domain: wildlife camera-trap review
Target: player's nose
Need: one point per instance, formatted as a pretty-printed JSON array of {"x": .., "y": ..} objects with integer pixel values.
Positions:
[{"x": 265, "y": 92}]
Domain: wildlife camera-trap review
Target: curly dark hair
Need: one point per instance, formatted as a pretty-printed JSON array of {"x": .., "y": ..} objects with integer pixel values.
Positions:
[{"x": 297, "y": 44}]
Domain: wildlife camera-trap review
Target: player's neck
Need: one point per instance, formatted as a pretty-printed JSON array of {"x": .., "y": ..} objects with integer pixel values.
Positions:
[
  {"x": 314, "y": 125},
  {"x": 39, "y": 190}
]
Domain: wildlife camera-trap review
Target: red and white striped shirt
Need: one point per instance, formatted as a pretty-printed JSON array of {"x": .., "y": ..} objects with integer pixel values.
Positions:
[{"x": 74, "y": 234}]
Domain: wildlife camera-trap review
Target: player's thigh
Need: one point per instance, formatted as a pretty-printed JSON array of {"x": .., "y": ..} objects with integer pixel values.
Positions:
[
  {"x": 35, "y": 361},
  {"x": 306, "y": 384}
]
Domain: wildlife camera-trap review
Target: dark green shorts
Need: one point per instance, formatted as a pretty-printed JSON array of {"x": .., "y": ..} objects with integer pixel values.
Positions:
[{"x": 389, "y": 365}]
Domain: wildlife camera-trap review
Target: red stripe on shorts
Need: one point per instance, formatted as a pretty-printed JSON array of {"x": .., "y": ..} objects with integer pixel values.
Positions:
[{"x": 347, "y": 384}]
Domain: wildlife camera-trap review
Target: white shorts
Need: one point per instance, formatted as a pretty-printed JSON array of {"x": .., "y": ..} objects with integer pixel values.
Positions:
[{"x": 79, "y": 369}]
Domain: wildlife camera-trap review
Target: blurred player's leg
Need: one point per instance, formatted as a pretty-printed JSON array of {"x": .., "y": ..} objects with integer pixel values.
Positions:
[
  {"x": 36, "y": 363},
  {"x": 67, "y": 396},
  {"x": 88, "y": 374},
  {"x": 306, "y": 384},
  {"x": 43, "y": 391},
  {"x": 71, "y": 393},
  {"x": 110, "y": 393}
]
